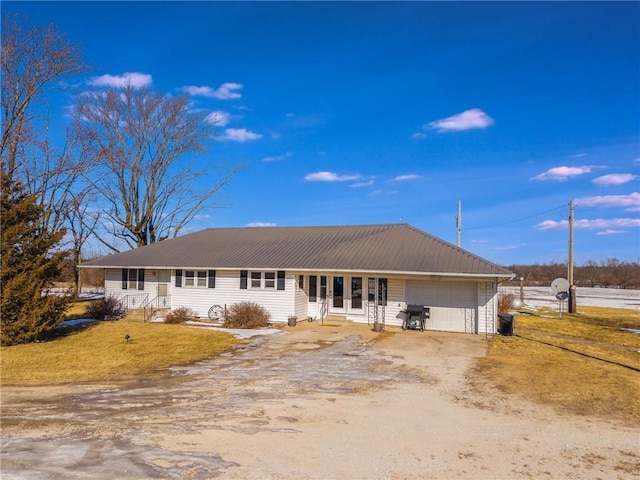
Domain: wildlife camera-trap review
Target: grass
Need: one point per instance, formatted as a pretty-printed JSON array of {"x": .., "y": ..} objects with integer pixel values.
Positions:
[
  {"x": 551, "y": 361},
  {"x": 101, "y": 353}
]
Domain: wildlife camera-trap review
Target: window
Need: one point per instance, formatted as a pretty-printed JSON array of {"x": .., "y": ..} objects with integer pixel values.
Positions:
[
  {"x": 382, "y": 291},
  {"x": 313, "y": 288},
  {"x": 196, "y": 278},
  {"x": 356, "y": 292},
  {"x": 269, "y": 280},
  {"x": 280, "y": 279},
  {"x": 133, "y": 278},
  {"x": 243, "y": 279},
  {"x": 379, "y": 294},
  {"x": 323, "y": 287},
  {"x": 256, "y": 279},
  {"x": 301, "y": 282}
]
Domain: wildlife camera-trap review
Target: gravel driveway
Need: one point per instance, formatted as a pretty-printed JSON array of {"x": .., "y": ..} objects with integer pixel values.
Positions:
[{"x": 311, "y": 402}]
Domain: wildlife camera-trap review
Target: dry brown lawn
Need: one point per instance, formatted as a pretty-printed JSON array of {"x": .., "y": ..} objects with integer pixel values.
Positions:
[
  {"x": 100, "y": 352},
  {"x": 582, "y": 363}
]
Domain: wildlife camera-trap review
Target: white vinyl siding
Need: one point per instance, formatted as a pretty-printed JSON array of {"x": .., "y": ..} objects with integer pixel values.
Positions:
[
  {"x": 453, "y": 305},
  {"x": 279, "y": 303},
  {"x": 487, "y": 314}
]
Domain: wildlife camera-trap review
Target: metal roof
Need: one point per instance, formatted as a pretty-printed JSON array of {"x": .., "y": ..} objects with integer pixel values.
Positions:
[{"x": 391, "y": 248}]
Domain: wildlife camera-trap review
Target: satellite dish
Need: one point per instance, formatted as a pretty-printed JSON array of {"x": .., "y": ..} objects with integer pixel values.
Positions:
[
  {"x": 560, "y": 285},
  {"x": 562, "y": 295}
]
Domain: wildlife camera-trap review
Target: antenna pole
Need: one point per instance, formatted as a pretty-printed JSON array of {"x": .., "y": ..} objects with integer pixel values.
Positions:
[
  {"x": 572, "y": 287},
  {"x": 459, "y": 221}
]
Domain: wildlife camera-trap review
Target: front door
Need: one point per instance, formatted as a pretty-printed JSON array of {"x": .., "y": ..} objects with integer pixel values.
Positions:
[{"x": 337, "y": 295}]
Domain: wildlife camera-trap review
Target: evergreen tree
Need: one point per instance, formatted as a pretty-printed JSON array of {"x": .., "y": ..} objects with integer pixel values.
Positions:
[{"x": 30, "y": 264}]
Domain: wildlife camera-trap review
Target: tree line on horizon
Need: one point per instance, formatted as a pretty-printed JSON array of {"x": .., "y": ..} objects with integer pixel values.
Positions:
[{"x": 610, "y": 273}]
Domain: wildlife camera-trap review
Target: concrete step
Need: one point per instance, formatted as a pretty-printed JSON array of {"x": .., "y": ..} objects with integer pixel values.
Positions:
[{"x": 337, "y": 320}]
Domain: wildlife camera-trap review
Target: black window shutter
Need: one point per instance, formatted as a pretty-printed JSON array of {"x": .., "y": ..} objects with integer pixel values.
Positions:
[
  {"x": 141, "y": 279},
  {"x": 178, "y": 278},
  {"x": 125, "y": 278},
  {"x": 212, "y": 279},
  {"x": 280, "y": 279},
  {"x": 243, "y": 279}
]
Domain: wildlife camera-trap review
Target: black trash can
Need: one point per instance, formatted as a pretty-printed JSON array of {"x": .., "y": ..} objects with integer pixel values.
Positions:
[{"x": 506, "y": 324}]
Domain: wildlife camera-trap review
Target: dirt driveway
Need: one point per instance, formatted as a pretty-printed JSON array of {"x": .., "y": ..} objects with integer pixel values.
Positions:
[{"x": 314, "y": 402}]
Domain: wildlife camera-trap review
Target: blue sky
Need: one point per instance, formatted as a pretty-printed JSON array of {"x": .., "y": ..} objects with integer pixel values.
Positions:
[{"x": 363, "y": 113}]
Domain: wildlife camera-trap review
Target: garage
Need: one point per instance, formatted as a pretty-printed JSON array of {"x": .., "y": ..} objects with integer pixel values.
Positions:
[{"x": 452, "y": 305}]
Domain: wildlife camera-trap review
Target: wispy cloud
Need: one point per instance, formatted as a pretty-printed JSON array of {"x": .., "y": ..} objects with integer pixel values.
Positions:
[
  {"x": 467, "y": 120},
  {"x": 260, "y": 224},
  {"x": 418, "y": 135},
  {"x": 226, "y": 91},
  {"x": 631, "y": 201},
  {"x": 368, "y": 183},
  {"x": 239, "y": 135},
  {"x": 381, "y": 193},
  {"x": 598, "y": 223},
  {"x": 579, "y": 155},
  {"x": 612, "y": 232},
  {"x": 404, "y": 178},
  {"x": 614, "y": 179},
  {"x": 278, "y": 158},
  {"x": 218, "y": 118},
  {"x": 127, "y": 79},
  {"x": 329, "y": 177},
  {"x": 563, "y": 173}
]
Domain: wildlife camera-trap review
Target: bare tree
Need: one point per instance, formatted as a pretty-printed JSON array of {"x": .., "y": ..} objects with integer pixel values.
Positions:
[
  {"x": 33, "y": 61},
  {"x": 81, "y": 221},
  {"x": 143, "y": 144}
]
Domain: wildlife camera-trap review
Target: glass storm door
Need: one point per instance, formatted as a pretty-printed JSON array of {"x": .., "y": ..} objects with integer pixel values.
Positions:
[{"x": 337, "y": 297}]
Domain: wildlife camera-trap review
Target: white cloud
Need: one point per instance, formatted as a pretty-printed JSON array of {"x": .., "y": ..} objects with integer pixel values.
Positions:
[
  {"x": 636, "y": 161},
  {"x": 260, "y": 224},
  {"x": 611, "y": 232},
  {"x": 127, "y": 79},
  {"x": 418, "y": 135},
  {"x": 598, "y": 223},
  {"x": 614, "y": 179},
  {"x": 239, "y": 135},
  {"x": 218, "y": 118},
  {"x": 632, "y": 201},
  {"x": 278, "y": 157},
  {"x": 329, "y": 177},
  {"x": 380, "y": 193},
  {"x": 226, "y": 91},
  {"x": 578, "y": 155},
  {"x": 506, "y": 247},
  {"x": 561, "y": 174},
  {"x": 368, "y": 183},
  {"x": 467, "y": 120},
  {"x": 404, "y": 178}
]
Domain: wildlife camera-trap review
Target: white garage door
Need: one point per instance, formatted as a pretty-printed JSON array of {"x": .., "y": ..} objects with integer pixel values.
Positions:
[{"x": 453, "y": 305}]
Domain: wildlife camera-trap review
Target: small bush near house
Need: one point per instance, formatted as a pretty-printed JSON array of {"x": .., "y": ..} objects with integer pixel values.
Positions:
[
  {"x": 180, "y": 315},
  {"x": 246, "y": 315},
  {"x": 505, "y": 300},
  {"x": 107, "y": 308}
]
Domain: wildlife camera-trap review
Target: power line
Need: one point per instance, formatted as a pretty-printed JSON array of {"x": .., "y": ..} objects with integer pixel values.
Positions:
[{"x": 516, "y": 220}]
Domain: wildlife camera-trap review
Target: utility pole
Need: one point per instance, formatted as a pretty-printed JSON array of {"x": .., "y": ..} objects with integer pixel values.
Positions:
[
  {"x": 572, "y": 287},
  {"x": 459, "y": 221}
]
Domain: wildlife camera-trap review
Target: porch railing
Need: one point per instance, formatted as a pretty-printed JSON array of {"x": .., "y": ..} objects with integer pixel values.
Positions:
[
  {"x": 129, "y": 302},
  {"x": 156, "y": 304}
]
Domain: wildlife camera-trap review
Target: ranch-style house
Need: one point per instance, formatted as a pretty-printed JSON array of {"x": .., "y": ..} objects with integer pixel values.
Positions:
[{"x": 360, "y": 273}]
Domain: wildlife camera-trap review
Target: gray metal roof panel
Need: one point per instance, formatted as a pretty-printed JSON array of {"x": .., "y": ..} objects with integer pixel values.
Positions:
[{"x": 388, "y": 247}]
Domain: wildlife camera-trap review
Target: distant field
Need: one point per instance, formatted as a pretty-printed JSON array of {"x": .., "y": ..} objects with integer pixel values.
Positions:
[{"x": 537, "y": 297}]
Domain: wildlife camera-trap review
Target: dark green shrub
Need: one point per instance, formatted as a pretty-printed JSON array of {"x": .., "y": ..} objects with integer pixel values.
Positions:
[
  {"x": 107, "y": 308},
  {"x": 180, "y": 315},
  {"x": 246, "y": 315}
]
